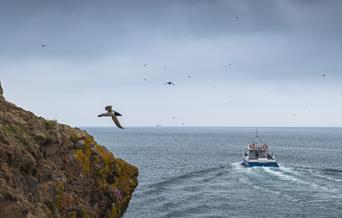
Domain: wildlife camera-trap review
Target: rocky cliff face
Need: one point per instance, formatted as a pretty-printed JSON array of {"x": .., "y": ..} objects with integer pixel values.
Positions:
[{"x": 52, "y": 170}]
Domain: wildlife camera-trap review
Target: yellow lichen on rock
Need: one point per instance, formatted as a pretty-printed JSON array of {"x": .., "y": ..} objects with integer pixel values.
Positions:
[
  {"x": 73, "y": 214},
  {"x": 83, "y": 160},
  {"x": 114, "y": 213},
  {"x": 59, "y": 194},
  {"x": 106, "y": 166},
  {"x": 126, "y": 172},
  {"x": 107, "y": 156}
]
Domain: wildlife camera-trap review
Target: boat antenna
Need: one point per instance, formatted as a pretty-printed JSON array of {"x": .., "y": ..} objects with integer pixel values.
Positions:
[{"x": 257, "y": 135}]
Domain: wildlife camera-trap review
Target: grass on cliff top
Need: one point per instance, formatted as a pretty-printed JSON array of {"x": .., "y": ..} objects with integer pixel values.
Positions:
[
  {"x": 50, "y": 124},
  {"x": 19, "y": 134}
]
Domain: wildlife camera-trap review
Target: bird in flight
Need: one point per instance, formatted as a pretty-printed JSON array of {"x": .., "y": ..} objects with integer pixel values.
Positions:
[
  {"x": 43, "y": 45},
  {"x": 113, "y": 114},
  {"x": 323, "y": 75},
  {"x": 169, "y": 83}
]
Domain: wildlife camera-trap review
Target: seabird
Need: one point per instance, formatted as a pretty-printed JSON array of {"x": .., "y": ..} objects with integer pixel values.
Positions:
[
  {"x": 112, "y": 114},
  {"x": 323, "y": 75},
  {"x": 169, "y": 83},
  {"x": 43, "y": 45}
]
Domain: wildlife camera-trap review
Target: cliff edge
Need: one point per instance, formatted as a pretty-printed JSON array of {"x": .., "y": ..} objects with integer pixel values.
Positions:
[{"x": 52, "y": 170}]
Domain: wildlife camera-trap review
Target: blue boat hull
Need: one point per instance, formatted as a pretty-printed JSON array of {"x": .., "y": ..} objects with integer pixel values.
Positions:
[{"x": 259, "y": 164}]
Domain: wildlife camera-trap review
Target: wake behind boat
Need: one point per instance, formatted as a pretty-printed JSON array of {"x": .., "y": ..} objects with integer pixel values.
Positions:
[{"x": 257, "y": 155}]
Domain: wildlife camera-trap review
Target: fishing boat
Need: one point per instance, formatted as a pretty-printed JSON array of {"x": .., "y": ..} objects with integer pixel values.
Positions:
[{"x": 257, "y": 155}]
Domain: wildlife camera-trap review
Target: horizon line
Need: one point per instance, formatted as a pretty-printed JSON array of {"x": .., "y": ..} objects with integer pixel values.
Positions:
[{"x": 212, "y": 127}]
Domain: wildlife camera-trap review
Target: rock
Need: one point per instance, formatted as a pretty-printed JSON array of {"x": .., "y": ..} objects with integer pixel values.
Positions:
[
  {"x": 80, "y": 144},
  {"x": 52, "y": 170},
  {"x": 1, "y": 90}
]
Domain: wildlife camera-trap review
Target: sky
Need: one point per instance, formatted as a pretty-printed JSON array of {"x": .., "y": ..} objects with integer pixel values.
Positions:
[{"x": 234, "y": 62}]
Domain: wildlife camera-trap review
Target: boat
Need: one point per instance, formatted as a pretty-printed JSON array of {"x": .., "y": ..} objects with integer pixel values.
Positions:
[{"x": 257, "y": 154}]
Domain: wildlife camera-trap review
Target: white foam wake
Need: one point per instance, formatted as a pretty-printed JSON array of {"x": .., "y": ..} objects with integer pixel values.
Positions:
[
  {"x": 281, "y": 175},
  {"x": 326, "y": 177}
]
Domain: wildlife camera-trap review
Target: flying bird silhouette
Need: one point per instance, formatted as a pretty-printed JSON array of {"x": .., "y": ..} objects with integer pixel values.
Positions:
[
  {"x": 113, "y": 114},
  {"x": 43, "y": 45},
  {"x": 169, "y": 83}
]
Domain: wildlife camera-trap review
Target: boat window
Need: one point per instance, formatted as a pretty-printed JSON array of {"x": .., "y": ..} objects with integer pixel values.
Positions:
[
  {"x": 253, "y": 154},
  {"x": 262, "y": 154}
]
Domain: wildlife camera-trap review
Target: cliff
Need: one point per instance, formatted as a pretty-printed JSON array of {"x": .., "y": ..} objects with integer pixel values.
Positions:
[{"x": 52, "y": 170}]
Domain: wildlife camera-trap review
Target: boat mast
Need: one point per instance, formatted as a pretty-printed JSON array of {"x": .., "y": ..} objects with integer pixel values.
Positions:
[{"x": 257, "y": 135}]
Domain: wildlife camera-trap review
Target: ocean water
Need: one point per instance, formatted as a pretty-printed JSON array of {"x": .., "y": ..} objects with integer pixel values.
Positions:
[{"x": 196, "y": 172}]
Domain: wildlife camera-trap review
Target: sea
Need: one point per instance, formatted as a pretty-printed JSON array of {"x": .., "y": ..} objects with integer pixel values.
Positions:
[{"x": 196, "y": 172}]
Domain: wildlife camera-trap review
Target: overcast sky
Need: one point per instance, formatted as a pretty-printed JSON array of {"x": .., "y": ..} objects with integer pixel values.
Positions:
[{"x": 251, "y": 62}]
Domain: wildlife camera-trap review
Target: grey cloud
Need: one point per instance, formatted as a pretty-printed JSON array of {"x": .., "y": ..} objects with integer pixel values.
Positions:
[{"x": 85, "y": 28}]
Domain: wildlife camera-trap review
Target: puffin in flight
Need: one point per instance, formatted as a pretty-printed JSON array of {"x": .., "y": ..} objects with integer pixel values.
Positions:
[
  {"x": 169, "y": 83},
  {"x": 113, "y": 114}
]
